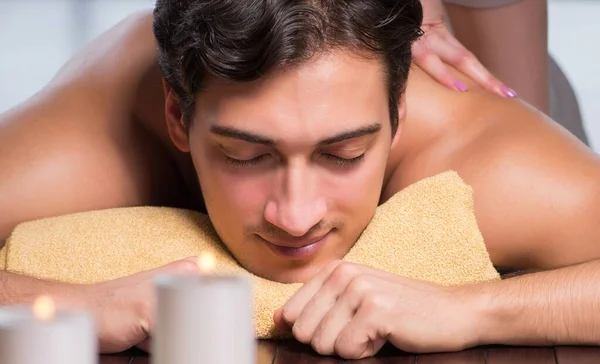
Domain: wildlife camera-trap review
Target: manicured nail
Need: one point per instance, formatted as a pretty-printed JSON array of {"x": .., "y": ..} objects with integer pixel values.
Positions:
[
  {"x": 460, "y": 86},
  {"x": 508, "y": 92}
]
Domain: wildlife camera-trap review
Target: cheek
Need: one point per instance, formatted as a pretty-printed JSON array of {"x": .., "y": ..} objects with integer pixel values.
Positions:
[
  {"x": 235, "y": 195},
  {"x": 232, "y": 192},
  {"x": 248, "y": 194},
  {"x": 359, "y": 188}
]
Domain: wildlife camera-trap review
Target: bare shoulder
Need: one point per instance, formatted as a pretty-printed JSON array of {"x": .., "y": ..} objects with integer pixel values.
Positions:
[
  {"x": 75, "y": 146},
  {"x": 122, "y": 53},
  {"x": 536, "y": 187},
  {"x": 108, "y": 70}
]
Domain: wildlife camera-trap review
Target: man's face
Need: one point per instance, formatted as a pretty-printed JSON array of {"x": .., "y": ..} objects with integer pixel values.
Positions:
[{"x": 292, "y": 165}]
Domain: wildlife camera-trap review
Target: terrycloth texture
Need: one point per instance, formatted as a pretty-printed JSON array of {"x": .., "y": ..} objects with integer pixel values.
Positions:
[{"x": 427, "y": 231}]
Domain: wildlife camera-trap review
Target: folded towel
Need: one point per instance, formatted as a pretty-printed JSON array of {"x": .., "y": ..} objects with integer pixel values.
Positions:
[{"x": 427, "y": 231}]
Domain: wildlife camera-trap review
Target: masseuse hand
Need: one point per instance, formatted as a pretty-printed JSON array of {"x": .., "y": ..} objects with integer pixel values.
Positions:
[
  {"x": 438, "y": 45},
  {"x": 124, "y": 307},
  {"x": 351, "y": 310}
]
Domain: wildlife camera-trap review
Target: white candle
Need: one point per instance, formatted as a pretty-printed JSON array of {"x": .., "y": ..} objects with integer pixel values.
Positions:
[
  {"x": 43, "y": 335},
  {"x": 203, "y": 319}
]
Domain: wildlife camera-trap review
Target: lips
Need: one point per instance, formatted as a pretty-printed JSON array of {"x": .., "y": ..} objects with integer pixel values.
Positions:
[
  {"x": 295, "y": 243},
  {"x": 296, "y": 248}
]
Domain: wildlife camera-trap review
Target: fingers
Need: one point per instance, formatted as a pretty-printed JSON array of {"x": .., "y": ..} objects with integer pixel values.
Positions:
[
  {"x": 293, "y": 307},
  {"x": 185, "y": 265},
  {"x": 280, "y": 323},
  {"x": 430, "y": 62},
  {"x": 322, "y": 324},
  {"x": 332, "y": 324},
  {"x": 311, "y": 316},
  {"x": 439, "y": 47},
  {"x": 339, "y": 274},
  {"x": 324, "y": 307},
  {"x": 189, "y": 265},
  {"x": 313, "y": 312},
  {"x": 359, "y": 338},
  {"x": 327, "y": 312},
  {"x": 454, "y": 53}
]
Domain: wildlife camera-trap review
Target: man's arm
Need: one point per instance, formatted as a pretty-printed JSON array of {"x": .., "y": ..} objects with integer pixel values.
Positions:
[
  {"x": 122, "y": 308},
  {"x": 557, "y": 307},
  {"x": 21, "y": 290}
]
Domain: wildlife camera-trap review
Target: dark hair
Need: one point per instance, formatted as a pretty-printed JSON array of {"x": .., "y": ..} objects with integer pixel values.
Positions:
[{"x": 241, "y": 40}]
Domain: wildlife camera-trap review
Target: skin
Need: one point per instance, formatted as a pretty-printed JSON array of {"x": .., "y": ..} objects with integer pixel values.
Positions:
[
  {"x": 295, "y": 190},
  {"x": 482, "y": 47},
  {"x": 438, "y": 48},
  {"x": 536, "y": 193}
]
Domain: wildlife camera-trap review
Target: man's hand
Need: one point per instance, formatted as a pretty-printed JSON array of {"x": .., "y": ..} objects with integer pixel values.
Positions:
[
  {"x": 352, "y": 310},
  {"x": 124, "y": 307},
  {"x": 438, "y": 45}
]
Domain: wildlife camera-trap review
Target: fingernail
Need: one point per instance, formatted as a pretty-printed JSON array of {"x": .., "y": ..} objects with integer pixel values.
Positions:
[
  {"x": 508, "y": 92},
  {"x": 460, "y": 86}
]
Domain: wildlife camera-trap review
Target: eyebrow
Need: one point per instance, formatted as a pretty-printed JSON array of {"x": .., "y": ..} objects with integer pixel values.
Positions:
[{"x": 236, "y": 133}]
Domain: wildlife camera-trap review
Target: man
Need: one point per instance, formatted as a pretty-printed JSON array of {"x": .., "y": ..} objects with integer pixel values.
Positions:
[{"x": 294, "y": 119}]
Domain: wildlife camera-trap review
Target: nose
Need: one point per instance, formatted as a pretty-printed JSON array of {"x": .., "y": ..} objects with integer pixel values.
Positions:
[{"x": 296, "y": 205}]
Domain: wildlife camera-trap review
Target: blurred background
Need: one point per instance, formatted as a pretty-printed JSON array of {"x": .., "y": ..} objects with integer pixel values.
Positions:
[{"x": 38, "y": 36}]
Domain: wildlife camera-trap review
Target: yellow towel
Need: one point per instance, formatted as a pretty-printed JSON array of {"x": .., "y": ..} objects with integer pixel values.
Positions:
[{"x": 427, "y": 231}]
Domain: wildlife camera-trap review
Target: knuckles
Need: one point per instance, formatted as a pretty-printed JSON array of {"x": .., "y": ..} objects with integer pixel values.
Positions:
[
  {"x": 376, "y": 303},
  {"x": 464, "y": 57},
  {"x": 332, "y": 266},
  {"x": 343, "y": 273},
  {"x": 359, "y": 286}
]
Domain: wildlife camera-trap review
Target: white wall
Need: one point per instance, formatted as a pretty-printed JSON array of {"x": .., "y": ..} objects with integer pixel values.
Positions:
[
  {"x": 38, "y": 36},
  {"x": 574, "y": 42}
]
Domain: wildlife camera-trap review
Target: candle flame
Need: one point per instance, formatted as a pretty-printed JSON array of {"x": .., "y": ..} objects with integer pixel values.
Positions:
[
  {"x": 206, "y": 262},
  {"x": 44, "y": 308}
]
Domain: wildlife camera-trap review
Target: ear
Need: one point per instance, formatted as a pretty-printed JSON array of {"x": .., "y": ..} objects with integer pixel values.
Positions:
[
  {"x": 175, "y": 123},
  {"x": 401, "y": 119}
]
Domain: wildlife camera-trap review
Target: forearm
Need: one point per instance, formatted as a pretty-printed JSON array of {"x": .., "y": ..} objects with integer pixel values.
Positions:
[
  {"x": 510, "y": 41},
  {"x": 21, "y": 290},
  {"x": 543, "y": 308}
]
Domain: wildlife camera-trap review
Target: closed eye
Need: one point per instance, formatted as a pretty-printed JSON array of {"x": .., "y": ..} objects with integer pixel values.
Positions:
[
  {"x": 344, "y": 162},
  {"x": 337, "y": 160},
  {"x": 245, "y": 162}
]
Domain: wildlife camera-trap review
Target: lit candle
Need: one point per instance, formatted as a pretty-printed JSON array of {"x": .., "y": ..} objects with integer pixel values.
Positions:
[
  {"x": 46, "y": 335},
  {"x": 203, "y": 319}
]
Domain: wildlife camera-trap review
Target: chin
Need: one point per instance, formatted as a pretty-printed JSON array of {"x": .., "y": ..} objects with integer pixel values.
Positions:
[
  {"x": 301, "y": 273},
  {"x": 274, "y": 268},
  {"x": 302, "y": 276}
]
